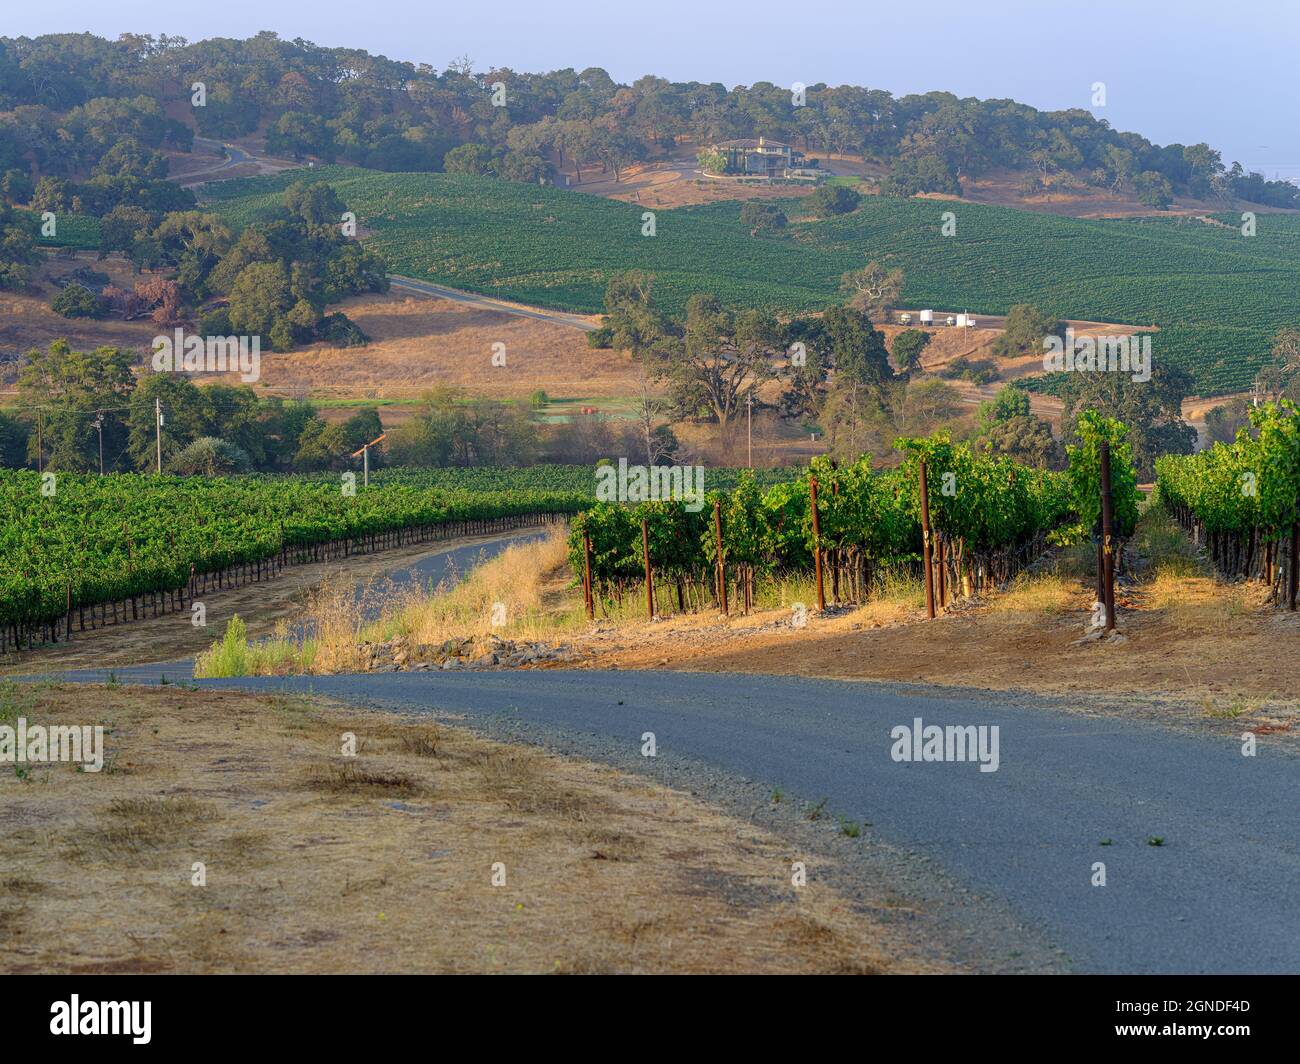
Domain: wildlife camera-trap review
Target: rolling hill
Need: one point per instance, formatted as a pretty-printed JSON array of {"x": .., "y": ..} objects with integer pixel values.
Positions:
[{"x": 1216, "y": 295}]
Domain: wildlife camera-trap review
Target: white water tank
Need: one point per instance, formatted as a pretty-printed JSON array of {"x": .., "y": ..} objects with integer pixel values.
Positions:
[{"x": 927, "y": 317}]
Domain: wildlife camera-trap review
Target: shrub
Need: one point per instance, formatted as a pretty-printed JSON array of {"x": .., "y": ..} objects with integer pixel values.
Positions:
[
  {"x": 834, "y": 199},
  {"x": 77, "y": 301},
  {"x": 210, "y": 456},
  {"x": 762, "y": 217},
  {"x": 342, "y": 331}
]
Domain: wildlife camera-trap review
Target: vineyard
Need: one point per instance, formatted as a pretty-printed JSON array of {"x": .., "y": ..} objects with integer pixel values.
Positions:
[
  {"x": 79, "y": 231},
  {"x": 579, "y": 479},
  {"x": 1216, "y": 295},
  {"x": 987, "y": 518},
  {"x": 100, "y": 547},
  {"x": 1242, "y": 500}
]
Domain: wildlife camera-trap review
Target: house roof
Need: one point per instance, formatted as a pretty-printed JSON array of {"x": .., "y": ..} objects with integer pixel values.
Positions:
[{"x": 751, "y": 144}]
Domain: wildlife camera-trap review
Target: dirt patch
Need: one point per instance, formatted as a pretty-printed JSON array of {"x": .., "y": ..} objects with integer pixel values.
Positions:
[
  {"x": 421, "y": 342},
  {"x": 1002, "y": 187},
  {"x": 1214, "y": 657},
  {"x": 315, "y": 862},
  {"x": 27, "y": 322}
]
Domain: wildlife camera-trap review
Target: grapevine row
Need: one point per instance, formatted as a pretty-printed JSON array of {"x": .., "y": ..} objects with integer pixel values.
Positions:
[
  {"x": 75, "y": 543},
  {"x": 990, "y": 516},
  {"x": 1241, "y": 500}
]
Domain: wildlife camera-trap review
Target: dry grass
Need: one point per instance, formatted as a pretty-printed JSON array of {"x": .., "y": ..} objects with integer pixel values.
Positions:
[
  {"x": 527, "y": 581},
  {"x": 516, "y": 580},
  {"x": 384, "y": 862},
  {"x": 1181, "y": 584},
  {"x": 1047, "y": 593},
  {"x": 419, "y": 342}
]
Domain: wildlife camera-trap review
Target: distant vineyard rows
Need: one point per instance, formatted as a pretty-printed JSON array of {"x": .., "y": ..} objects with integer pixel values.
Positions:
[{"x": 1216, "y": 295}]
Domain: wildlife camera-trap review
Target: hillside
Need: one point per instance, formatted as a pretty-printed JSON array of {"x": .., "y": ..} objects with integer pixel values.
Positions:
[{"x": 1216, "y": 296}]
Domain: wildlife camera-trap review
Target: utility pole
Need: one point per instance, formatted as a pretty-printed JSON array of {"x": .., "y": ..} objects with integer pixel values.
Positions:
[
  {"x": 157, "y": 427},
  {"x": 40, "y": 443},
  {"x": 98, "y": 424},
  {"x": 365, "y": 457}
]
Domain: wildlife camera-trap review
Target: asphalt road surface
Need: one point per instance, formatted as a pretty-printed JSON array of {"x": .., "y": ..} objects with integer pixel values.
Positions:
[
  {"x": 1201, "y": 845},
  {"x": 427, "y": 288}
]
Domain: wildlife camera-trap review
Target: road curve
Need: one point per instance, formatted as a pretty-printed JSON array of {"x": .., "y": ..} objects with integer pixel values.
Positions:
[
  {"x": 1221, "y": 893},
  {"x": 555, "y": 317}
]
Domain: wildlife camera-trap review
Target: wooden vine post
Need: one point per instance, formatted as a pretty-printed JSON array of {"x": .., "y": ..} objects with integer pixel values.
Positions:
[
  {"x": 943, "y": 578},
  {"x": 1107, "y": 531},
  {"x": 649, "y": 579},
  {"x": 925, "y": 544},
  {"x": 817, "y": 544},
  {"x": 721, "y": 575},
  {"x": 1294, "y": 575},
  {"x": 588, "y": 592}
]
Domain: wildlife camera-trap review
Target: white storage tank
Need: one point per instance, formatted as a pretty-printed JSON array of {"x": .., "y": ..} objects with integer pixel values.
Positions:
[
  {"x": 927, "y": 317},
  {"x": 966, "y": 321}
]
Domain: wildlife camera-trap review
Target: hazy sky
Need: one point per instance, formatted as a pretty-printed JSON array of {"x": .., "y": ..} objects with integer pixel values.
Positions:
[{"x": 1225, "y": 73}]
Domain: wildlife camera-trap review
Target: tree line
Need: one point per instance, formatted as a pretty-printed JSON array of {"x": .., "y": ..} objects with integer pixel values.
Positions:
[
  {"x": 273, "y": 279},
  {"x": 345, "y": 104}
]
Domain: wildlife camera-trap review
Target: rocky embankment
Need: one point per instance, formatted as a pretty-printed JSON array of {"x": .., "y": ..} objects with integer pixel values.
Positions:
[{"x": 493, "y": 652}]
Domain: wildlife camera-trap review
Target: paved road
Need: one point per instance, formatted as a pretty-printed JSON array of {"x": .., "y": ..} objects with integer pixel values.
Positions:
[
  {"x": 555, "y": 317},
  {"x": 233, "y": 156},
  {"x": 1222, "y": 894}
]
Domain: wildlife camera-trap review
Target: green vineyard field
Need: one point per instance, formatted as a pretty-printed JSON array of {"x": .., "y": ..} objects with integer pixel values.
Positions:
[
  {"x": 98, "y": 539},
  {"x": 1216, "y": 296},
  {"x": 104, "y": 539}
]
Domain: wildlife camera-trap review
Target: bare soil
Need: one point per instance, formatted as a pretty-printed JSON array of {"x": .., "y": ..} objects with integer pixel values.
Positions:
[
  {"x": 421, "y": 342},
  {"x": 1216, "y": 654},
  {"x": 315, "y": 862}
]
